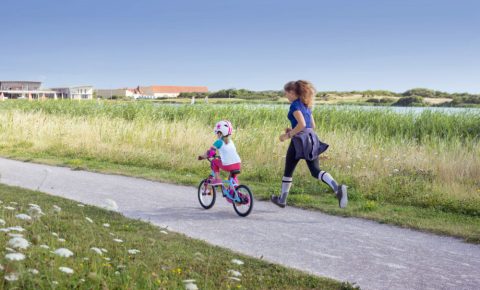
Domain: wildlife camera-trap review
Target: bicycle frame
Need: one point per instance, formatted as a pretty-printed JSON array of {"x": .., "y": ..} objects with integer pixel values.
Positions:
[{"x": 232, "y": 185}]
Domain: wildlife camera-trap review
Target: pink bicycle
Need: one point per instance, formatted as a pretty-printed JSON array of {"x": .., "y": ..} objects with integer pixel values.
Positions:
[{"x": 239, "y": 195}]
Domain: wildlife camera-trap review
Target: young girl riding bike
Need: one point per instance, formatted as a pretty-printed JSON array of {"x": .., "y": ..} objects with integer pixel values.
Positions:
[{"x": 229, "y": 159}]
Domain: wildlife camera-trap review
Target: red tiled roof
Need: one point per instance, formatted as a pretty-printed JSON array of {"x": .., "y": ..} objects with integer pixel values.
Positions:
[{"x": 178, "y": 89}]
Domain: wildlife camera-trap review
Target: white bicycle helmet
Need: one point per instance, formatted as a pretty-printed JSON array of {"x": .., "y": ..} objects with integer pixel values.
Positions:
[{"x": 224, "y": 127}]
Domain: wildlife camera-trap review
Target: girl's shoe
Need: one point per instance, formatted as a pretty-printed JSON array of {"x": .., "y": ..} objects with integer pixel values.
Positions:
[
  {"x": 342, "y": 196},
  {"x": 276, "y": 200}
]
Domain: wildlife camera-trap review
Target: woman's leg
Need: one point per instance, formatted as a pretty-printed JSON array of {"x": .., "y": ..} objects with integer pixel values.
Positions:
[
  {"x": 290, "y": 164},
  {"x": 340, "y": 191}
]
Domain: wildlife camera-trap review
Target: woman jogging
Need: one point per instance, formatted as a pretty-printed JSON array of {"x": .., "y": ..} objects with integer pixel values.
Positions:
[{"x": 305, "y": 144}]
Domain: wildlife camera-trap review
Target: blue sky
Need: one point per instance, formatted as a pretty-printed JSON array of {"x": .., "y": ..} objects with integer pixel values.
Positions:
[{"x": 259, "y": 45}]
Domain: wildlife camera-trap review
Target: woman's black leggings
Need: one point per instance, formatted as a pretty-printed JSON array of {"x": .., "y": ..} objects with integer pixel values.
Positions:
[{"x": 291, "y": 163}]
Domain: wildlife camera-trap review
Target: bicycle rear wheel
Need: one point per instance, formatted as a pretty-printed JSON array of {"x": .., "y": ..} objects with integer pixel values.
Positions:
[
  {"x": 206, "y": 194},
  {"x": 244, "y": 207}
]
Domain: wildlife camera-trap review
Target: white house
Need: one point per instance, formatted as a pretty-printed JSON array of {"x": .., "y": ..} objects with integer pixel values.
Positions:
[{"x": 75, "y": 93}]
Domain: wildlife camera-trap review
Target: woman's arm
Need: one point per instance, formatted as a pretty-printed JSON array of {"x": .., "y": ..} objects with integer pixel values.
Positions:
[
  {"x": 312, "y": 121},
  {"x": 301, "y": 124}
]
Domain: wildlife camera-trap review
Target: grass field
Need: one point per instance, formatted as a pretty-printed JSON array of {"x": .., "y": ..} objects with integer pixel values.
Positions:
[
  {"x": 110, "y": 251},
  {"x": 419, "y": 171}
]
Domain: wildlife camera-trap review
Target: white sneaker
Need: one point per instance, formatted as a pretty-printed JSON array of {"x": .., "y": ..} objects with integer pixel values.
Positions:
[{"x": 342, "y": 196}]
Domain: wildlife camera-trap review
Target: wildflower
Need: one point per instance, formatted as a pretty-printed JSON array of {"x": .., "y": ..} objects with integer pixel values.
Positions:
[
  {"x": 16, "y": 229},
  {"x": 89, "y": 220},
  {"x": 44, "y": 247},
  {"x": 110, "y": 205},
  {"x": 97, "y": 250},
  {"x": 104, "y": 250},
  {"x": 11, "y": 277},
  {"x": 133, "y": 251},
  {"x": 23, "y": 216},
  {"x": 35, "y": 212},
  {"x": 117, "y": 273},
  {"x": 238, "y": 262},
  {"x": 106, "y": 225},
  {"x": 63, "y": 252},
  {"x": 82, "y": 280},
  {"x": 33, "y": 205},
  {"x": 164, "y": 232},
  {"x": 13, "y": 202},
  {"x": 61, "y": 240},
  {"x": 54, "y": 282},
  {"x": 234, "y": 273},
  {"x": 55, "y": 234},
  {"x": 1, "y": 267},
  {"x": 18, "y": 243},
  {"x": 118, "y": 240},
  {"x": 66, "y": 270},
  {"x": 15, "y": 235},
  {"x": 80, "y": 205},
  {"x": 234, "y": 279},
  {"x": 10, "y": 250},
  {"x": 191, "y": 286},
  {"x": 9, "y": 208},
  {"x": 396, "y": 170},
  {"x": 121, "y": 267},
  {"x": 56, "y": 208},
  {"x": 112, "y": 234},
  {"x": 15, "y": 256},
  {"x": 2, "y": 222},
  {"x": 33, "y": 271},
  {"x": 107, "y": 259}
]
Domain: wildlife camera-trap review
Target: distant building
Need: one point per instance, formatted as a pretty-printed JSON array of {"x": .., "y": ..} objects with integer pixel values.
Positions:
[
  {"x": 24, "y": 90},
  {"x": 150, "y": 92},
  {"x": 75, "y": 93},
  {"x": 171, "y": 91}
]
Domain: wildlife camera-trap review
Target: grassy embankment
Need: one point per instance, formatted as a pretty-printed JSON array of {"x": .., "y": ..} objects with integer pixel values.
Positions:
[
  {"x": 418, "y": 171},
  {"x": 113, "y": 252}
]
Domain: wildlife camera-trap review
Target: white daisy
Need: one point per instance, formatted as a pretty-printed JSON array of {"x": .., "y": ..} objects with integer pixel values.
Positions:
[
  {"x": 66, "y": 270},
  {"x": 191, "y": 286},
  {"x": 107, "y": 259},
  {"x": 63, "y": 252},
  {"x": 44, "y": 247},
  {"x": 238, "y": 262},
  {"x": 15, "y": 256},
  {"x": 9, "y": 208},
  {"x": 118, "y": 240},
  {"x": 13, "y": 202},
  {"x": 18, "y": 243},
  {"x": 61, "y": 240},
  {"x": 15, "y": 235},
  {"x": 10, "y": 250},
  {"x": 56, "y": 208},
  {"x": 35, "y": 212},
  {"x": 104, "y": 250},
  {"x": 23, "y": 216},
  {"x": 2, "y": 222},
  {"x": 55, "y": 234},
  {"x": 33, "y": 271},
  {"x": 11, "y": 277},
  {"x": 14, "y": 229},
  {"x": 33, "y": 205},
  {"x": 97, "y": 250},
  {"x": 106, "y": 225},
  {"x": 89, "y": 220},
  {"x": 234, "y": 273},
  {"x": 133, "y": 251}
]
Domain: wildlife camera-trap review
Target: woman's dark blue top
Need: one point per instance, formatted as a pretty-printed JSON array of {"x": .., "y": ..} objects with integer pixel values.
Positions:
[{"x": 297, "y": 105}]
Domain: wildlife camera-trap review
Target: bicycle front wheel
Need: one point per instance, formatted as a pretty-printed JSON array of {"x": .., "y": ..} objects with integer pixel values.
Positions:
[
  {"x": 245, "y": 206},
  {"x": 206, "y": 194}
]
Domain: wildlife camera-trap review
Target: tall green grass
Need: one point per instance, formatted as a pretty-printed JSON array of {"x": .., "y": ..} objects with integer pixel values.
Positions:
[{"x": 382, "y": 124}]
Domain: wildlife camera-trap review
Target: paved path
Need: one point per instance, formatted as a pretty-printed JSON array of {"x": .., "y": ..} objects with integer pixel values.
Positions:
[{"x": 373, "y": 255}]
